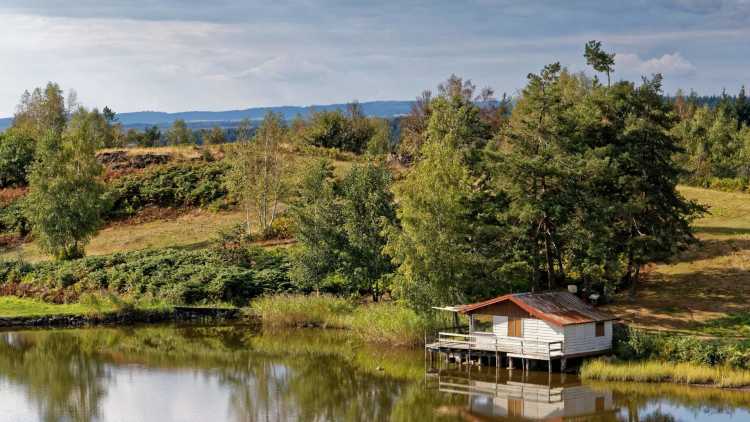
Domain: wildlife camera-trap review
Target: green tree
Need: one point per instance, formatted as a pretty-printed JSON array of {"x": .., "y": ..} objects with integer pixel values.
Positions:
[
  {"x": 340, "y": 229},
  {"x": 367, "y": 207},
  {"x": 215, "y": 136},
  {"x": 318, "y": 226},
  {"x": 180, "y": 134},
  {"x": 380, "y": 142},
  {"x": 151, "y": 136},
  {"x": 41, "y": 111},
  {"x": 16, "y": 157},
  {"x": 260, "y": 171},
  {"x": 64, "y": 203},
  {"x": 598, "y": 59},
  {"x": 431, "y": 246}
]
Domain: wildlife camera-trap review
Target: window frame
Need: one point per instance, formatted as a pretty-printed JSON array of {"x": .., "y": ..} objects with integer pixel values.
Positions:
[{"x": 599, "y": 329}]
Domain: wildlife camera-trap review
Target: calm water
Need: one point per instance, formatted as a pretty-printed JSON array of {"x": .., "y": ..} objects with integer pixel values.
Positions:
[{"x": 194, "y": 373}]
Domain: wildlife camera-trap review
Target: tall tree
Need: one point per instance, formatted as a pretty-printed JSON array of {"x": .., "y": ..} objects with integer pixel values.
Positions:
[
  {"x": 598, "y": 59},
  {"x": 431, "y": 246},
  {"x": 215, "y": 136},
  {"x": 260, "y": 172},
  {"x": 180, "y": 134},
  {"x": 318, "y": 226},
  {"x": 64, "y": 203},
  {"x": 41, "y": 111},
  {"x": 367, "y": 208}
]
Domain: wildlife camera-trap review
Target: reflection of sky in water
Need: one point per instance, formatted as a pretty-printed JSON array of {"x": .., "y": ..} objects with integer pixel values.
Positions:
[
  {"x": 139, "y": 394},
  {"x": 145, "y": 395},
  {"x": 681, "y": 413},
  {"x": 13, "y": 404}
]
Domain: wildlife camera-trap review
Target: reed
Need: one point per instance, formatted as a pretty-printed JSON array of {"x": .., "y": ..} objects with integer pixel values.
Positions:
[
  {"x": 657, "y": 371},
  {"x": 385, "y": 322}
]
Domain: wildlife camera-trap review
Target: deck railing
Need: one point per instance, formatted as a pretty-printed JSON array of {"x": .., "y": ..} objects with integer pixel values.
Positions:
[{"x": 494, "y": 343}]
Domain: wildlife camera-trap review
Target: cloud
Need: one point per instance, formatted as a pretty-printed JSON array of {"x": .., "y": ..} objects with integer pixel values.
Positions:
[{"x": 669, "y": 64}]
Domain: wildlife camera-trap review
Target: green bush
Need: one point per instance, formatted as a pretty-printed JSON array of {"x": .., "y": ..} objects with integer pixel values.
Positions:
[
  {"x": 197, "y": 184},
  {"x": 16, "y": 156},
  {"x": 172, "y": 276},
  {"x": 633, "y": 344},
  {"x": 728, "y": 184},
  {"x": 12, "y": 219}
]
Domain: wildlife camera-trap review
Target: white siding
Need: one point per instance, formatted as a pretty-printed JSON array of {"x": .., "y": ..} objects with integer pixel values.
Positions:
[{"x": 581, "y": 338}]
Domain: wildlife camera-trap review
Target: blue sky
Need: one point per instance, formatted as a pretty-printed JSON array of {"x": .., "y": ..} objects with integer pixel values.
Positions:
[{"x": 177, "y": 55}]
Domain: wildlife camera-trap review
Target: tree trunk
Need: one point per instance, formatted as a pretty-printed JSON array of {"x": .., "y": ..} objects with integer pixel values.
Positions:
[{"x": 634, "y": 282}]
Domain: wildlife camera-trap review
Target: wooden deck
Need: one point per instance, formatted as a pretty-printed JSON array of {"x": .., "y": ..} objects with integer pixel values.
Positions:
[{"x": 481, "y": 343}]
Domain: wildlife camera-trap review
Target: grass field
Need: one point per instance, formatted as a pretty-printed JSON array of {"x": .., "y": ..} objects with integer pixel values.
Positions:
[
  {"x": 192, "y": 230},
  {"x": 706, "y": 289}
]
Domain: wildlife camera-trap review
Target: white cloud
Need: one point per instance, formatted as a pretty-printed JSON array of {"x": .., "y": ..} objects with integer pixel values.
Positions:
[{"x": 669, "y": 64}]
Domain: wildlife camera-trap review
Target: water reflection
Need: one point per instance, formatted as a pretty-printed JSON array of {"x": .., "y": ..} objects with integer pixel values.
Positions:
[
  {"x": 517, "y": 395},
  {"x": 194, "y": 373}
]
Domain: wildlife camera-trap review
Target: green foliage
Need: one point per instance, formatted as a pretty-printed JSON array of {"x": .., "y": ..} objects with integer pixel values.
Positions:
[
  {"x": 215, "y": 136},
  {"x": 349, "y": 132},
  {"x": 339, "y": 227},
  {"x": 172, "y": 276},
  {"x": 634, "y": 344},
  {"x": 432, "y": 245},
  {"x": 16, "y": 157},
  {"x": 13, "y": 219},
  {"x": 64, "y": 204},
  {"x": 180, "y": 134},
  {"x": 197, "y": 184},
  {"x": 598, "y": 59},
  {"x": 259, "y": 176}
]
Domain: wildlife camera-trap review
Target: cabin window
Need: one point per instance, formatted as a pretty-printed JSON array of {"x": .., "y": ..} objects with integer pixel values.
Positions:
[
  {"x": 600, "y": 329},
  {"x": 515, "y": 327},
  {"x": 515, "y": 408}
]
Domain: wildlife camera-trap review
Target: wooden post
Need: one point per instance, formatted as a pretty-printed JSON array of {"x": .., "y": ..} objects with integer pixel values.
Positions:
[
  {"x": 563, "y": 363},
  {"x": 510, "y": 362}
]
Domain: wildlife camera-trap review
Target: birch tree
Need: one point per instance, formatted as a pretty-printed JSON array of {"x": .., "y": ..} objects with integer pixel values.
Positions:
[{"x": 259, "y": 176}]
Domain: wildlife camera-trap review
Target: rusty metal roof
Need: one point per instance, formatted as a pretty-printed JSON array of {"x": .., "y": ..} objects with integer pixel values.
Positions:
[{"x": 559, "y": 308}]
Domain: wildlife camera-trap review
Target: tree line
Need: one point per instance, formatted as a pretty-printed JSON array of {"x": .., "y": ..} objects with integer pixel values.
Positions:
[{"x": 468, "y": 197}]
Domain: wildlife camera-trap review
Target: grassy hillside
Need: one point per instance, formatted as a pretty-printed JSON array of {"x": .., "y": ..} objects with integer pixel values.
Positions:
[
  {"x": 182, "y": 228},
  {"x": 706, "y": 289}
]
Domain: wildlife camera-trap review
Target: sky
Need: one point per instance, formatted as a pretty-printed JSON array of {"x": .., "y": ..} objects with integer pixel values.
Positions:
[{"x": 180, "y": 55}]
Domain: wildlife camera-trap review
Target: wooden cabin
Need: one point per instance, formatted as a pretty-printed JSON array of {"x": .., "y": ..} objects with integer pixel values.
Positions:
[{"x": 538, "y": 326}]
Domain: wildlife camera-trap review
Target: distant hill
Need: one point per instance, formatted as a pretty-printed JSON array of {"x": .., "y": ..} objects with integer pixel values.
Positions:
[{"x": 230, "y": 118}]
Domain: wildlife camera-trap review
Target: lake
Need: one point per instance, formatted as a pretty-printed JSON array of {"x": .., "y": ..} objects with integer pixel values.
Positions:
[{"x": 236, "y": 373}]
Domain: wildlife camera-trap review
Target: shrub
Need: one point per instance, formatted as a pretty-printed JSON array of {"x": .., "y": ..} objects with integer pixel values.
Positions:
[
  {"x": 196, "y": 184},
  {"x": 633, "y": 344},
  {"x": 16, "y": 157},
  {"x": 728, "y": 184},
  {"x": 171, "y": 276}
]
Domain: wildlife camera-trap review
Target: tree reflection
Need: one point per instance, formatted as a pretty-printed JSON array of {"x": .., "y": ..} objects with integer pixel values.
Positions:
[{"x": 68, "y": 375}]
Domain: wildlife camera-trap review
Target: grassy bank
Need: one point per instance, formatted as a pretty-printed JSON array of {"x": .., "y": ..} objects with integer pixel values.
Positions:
[
  {"x": 657, "y": 371},
  {"x": 384, "y": 322},
  {"x": 12, "y": 307}
]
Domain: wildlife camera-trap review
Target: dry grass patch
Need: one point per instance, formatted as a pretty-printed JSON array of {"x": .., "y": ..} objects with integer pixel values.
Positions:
[
  {"x": 654, "y": 371},
  {"x": 194, "y": 229},
  {"x": 708, "y": 283}
]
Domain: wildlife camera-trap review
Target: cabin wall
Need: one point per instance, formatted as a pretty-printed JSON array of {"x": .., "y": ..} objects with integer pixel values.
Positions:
[{"x": 581, "y": 338}]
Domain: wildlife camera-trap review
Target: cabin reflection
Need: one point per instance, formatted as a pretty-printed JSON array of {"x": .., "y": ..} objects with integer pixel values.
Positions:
[{"x": 515, "y": 395}]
